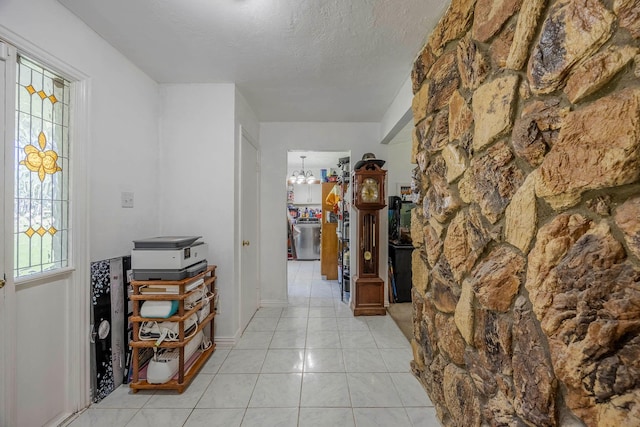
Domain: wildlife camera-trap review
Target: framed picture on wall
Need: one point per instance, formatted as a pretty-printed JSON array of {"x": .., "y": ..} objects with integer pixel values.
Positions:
[{"x": 404, "y": 191}]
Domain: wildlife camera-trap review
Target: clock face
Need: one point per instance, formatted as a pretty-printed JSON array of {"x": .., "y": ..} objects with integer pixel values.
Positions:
[{"x": 370, "y": 192}]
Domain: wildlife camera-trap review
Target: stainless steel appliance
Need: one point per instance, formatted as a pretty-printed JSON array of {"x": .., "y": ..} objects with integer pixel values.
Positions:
[{"x": 306, "y": 237}]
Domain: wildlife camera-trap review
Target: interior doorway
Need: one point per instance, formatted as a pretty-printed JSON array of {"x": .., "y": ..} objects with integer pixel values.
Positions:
[{"x": 310, "y": 177}]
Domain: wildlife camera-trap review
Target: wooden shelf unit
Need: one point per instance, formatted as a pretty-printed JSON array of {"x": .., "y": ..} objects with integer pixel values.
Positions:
[{"x": 186, "y": 374}]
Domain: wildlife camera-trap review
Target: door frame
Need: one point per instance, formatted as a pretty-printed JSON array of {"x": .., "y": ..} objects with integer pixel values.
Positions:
[
  {"x": 78, "y": 318},
  {"x": 8, "y": 385},
  {"x": 244, "y": 134},
  {"x": 77, "y": 323}
]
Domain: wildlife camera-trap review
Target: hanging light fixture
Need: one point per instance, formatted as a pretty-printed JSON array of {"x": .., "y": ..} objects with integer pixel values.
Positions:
[{"x": 302, "y": 177}]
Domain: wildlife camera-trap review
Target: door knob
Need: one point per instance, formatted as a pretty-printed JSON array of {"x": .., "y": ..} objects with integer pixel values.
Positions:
[
  {"x": 2, "y": 283},
  {"x": 245, "y": 243}
]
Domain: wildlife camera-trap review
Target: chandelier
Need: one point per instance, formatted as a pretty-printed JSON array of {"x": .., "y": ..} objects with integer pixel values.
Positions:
[{"x": 302, "y": 177}]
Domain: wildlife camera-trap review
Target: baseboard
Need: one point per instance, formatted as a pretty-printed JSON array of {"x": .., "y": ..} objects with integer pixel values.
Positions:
[
  {"x": 227, "y": 342},
  {"x": 274, "y": 303},
  {"x": 64, "y": 419}
]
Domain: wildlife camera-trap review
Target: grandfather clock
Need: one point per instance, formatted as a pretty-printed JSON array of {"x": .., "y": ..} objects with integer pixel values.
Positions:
[{"x": 368, "y": 198}]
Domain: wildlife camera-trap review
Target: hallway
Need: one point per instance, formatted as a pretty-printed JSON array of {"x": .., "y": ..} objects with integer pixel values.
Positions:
[{"x": 309, "y": 364}]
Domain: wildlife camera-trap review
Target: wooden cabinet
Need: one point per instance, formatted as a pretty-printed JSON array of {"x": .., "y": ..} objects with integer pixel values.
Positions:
[
  {"x": 307, "y": 194},
  {"x": 400, "y": 256},
  {"x": 329, "y": 238},
  {"x": 187, "y": 367}
]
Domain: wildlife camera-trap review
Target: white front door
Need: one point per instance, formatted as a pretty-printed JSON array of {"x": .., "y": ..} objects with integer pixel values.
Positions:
[
  {"x": 43, "y": 322},
  {"x": 248, "y": 229},
  {"x": 7, "y": 291}
]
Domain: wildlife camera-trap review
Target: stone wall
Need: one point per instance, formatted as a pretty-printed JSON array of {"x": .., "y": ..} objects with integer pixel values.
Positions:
[{"x": 526, "y": 268}]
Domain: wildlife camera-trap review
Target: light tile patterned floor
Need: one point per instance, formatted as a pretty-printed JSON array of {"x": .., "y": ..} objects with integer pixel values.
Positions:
[{"x": 310, "y": 364}]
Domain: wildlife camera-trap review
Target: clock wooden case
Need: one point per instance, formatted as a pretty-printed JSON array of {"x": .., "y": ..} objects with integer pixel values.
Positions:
[
  {"x": 368, "y": 199},
  {"x": 369, "y": 187}
]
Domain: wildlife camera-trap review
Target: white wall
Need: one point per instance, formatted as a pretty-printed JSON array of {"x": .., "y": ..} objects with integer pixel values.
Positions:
[
  {"x": 394, "y": 134},
  {"x": 123, "y": 120},
  {"x": 399, "y": 112},
  {"x": 197, "y": 170},
  {"x": 276, "y": 139},
  {"x": 121, "y": 155},
  {"x": 399, "y": 165}
]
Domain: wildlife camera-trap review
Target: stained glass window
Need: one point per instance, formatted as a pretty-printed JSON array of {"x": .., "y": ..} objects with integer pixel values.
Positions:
[{"x": 41, "y": 230}]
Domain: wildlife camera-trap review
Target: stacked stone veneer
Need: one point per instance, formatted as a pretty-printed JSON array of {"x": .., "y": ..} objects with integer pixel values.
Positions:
[{"x": 526, "y": 268}]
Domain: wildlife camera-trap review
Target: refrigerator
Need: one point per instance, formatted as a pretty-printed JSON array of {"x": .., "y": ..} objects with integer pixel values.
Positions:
[{"x": 306, "y": 238}]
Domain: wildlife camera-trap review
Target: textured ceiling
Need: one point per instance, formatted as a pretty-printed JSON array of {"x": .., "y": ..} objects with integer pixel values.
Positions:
[{"x": 293, "y": 60}]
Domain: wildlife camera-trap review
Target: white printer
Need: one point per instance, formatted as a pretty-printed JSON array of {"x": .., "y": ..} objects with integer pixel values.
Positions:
[{"x": 168, "y": 257}]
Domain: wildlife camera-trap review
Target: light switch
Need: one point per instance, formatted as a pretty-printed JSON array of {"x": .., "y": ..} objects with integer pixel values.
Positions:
[{"x": 127, "y": 199}]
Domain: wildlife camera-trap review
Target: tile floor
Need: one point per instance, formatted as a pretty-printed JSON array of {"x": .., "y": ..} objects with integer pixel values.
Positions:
[{"x": 310, "y": 364}]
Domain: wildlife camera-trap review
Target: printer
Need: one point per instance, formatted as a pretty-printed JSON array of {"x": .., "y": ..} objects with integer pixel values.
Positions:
[{"x": 168, "y": 257}]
